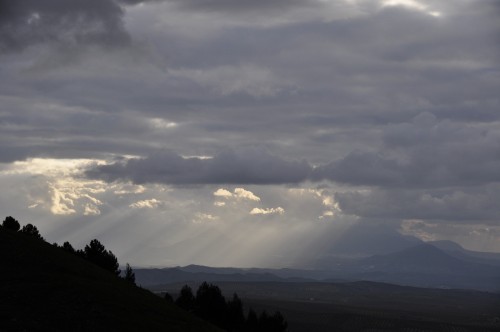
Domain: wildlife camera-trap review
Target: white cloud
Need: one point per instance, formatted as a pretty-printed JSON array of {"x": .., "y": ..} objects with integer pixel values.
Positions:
[
  {"x": 125, "y": 189},
  {"x": 278, "y": 210},
  {"x": 61, "y": 203},
  {"x": 327, "y": 214},
  {"x": 238, "y": 193},
  {"x": 245, "y": 194},
  {"x": 91, "y": 210},
  {"x": 412, "y": 4},
  {"x": 147, "y": 203},
  {"x": 221, "y": 192},
  {"x": 159, "y": 123},
  {"x": 62, "y": 191},
  {"x": 204, "y": 217}
]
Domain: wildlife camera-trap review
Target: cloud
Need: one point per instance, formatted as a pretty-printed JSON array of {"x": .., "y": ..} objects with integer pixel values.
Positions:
[
  {"x": 424, "y": 153},
  {"x": 54, "y": 185},
  {"x": 229, "y": 6},
  {"x": 246, "y": 166},
  {"x": 91, "y": 210},
  {"x": 226, "y": 80},
  {"x": 277, "y": 210},
  {"x": 415, "y": 5},
  {"x": 147, "y": 203},
  {"x": 363, "y": 111},
  {"x": 223, "y": 193},
  {"x": 246, "y": 194},
  {"x": 459, "y": 205},
  {"x": 204, "y": 217},
  {"x": 25, "y": 23},
  {"x": 239, "y": 193}
]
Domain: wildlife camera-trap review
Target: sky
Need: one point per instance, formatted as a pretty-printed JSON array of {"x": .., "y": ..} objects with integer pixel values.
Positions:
[{"x": 250, "y": 132}]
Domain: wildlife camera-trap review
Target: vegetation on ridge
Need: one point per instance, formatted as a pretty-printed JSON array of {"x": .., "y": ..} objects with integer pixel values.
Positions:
[
  {"x": 64, "y": 290},
  {"x": 44, "y": 288}
]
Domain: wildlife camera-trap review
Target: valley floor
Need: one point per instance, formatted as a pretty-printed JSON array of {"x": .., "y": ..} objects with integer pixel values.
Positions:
[{"x": 367, "y": 306}]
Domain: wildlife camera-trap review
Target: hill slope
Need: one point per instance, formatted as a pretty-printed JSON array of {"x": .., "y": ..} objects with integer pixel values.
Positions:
[{"x": 43, "y": 288}]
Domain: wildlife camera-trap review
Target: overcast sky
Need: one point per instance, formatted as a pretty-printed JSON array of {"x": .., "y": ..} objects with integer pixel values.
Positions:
[{"x": 250, "y": 132}]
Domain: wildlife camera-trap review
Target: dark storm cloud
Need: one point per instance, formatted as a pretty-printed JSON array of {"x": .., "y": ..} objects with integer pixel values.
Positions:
[
  {"x": 423, "y": 153},
  {"x": 426, "y": 169},
  {"x": 461, "y": 205},
  {"x": 25, "y": 23},
  {"x": 242, "y": 5},
  {"x": 246, "y": 166},
  {"x": 230, "y": 6}
]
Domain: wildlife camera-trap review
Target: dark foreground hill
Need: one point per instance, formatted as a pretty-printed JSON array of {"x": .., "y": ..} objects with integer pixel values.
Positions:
[{"x": 43, "y": 288}]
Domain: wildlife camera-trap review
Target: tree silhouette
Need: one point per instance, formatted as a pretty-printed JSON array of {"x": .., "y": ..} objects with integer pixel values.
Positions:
[
  {"x": 129, "y": 274},
  {"x": 252, "y": 322},
  {"x": 168, "y": 297},
  {"x": 11, "y": 223},
  {"x": 97, "y": 254},
  {"x": 31, "y": 230},
  {"x": 235, "y": 315},
  {"x": 210, "y": 304},
  {"x": 186, "y": 298},
  {"x": 277, "y": 323},
  {"x": 264, "y": 321},
  {"x": 68, "y": 247}
]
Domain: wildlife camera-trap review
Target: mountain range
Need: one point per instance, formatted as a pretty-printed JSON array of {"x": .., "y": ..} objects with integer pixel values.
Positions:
[{"x": 425, "y": 264}]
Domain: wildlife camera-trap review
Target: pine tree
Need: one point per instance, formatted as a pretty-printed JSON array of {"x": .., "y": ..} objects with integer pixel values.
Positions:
[
  {"x": 97, "y": 254},
  {"x": 11, "y": 223},
  {"x": 129, "y": 274},
  {"x": 186, "y": 298},
  {"x": 31, "y": 230}
]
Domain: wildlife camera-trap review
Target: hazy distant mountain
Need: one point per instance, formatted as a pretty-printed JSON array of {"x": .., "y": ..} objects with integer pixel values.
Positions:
[
  {"x": 362, "y": 240},
  {"x": 447, "y": 245},
  {"x": 420, "y": 258},
  {"x": 207, "y": 269},
  {"x": 284, "y": 273},
  {"x": 367, "y": 240},
  {"x": 455, "y": 250},
  {"x": 423, "y": 265}
]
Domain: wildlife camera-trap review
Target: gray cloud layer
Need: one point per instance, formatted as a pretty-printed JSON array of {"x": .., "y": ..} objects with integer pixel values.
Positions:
[
  {"x": 26, "y": 23},
  {"x": 424, "y": 153},
  {"x": 249, "y": 166},
  {"x": 394, "y": 104}
]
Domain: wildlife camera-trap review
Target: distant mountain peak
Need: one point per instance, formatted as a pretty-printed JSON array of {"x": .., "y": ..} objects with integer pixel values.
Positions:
[{"x": 446, "y": 245}]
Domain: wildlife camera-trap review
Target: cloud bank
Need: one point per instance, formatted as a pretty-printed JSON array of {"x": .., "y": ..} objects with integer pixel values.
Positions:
[{"x": 168, "y": 122}]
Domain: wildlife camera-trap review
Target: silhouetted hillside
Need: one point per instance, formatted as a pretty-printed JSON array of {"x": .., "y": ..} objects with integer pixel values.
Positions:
[{"x": 44, "y": 288}]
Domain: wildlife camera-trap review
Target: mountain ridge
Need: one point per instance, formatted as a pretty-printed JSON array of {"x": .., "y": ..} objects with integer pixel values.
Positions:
[{"x": 422, "y": 265}]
